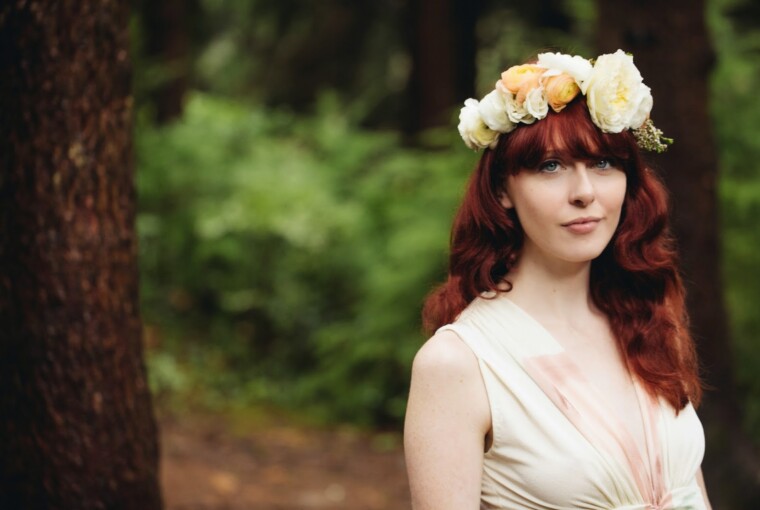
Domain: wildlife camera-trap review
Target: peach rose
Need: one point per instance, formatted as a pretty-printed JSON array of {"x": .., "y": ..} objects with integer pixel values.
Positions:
[
  {"x": 560, "y": 90},
  {"x": 516, "y": 77},
  {"x": 527, "y": 86}
]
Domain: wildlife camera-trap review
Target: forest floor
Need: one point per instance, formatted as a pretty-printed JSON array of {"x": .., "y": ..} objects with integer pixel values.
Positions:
[{"x": 214, "y": 462}]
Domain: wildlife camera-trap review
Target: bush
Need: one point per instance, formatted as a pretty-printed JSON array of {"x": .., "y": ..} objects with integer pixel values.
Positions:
[{"x": 286, "y": 258}]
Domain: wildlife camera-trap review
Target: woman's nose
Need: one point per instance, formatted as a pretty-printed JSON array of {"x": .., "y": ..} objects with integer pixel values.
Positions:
[{"x": 581, "y": 187}]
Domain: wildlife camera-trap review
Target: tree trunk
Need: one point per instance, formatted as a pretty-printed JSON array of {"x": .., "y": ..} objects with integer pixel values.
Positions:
[
  {"x": 167, "y": 42},
  {"x": 671, "y": 47},
  {"x": 444, "y": 47},
  {"x": 316, "y": 46},
  {"x": 76, "y": 423}
]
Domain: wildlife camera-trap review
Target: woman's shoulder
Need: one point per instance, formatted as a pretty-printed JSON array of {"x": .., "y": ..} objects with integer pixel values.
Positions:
[
  {"x": 446, "y": 348},
  {"x": 445, "y": 353},
  {"x": 446, "y": 376}
]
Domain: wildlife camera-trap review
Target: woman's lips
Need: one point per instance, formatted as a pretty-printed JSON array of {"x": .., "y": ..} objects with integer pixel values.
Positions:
[{"x": 582, "y": 225}]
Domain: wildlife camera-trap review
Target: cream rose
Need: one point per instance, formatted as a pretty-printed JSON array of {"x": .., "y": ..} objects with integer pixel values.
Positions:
[
  {"x": 536, "y": 104},
  {"x": 560, "y": 89},
  {"x": 577, "y": 67},
  {"x": 474, "y": 131},
  {"x": 516, "y": 77},
  {"x": 516, "y": 111},
  {"x": 493, "y": 111},
  {"x": 645, "y": 107},
  {"x": 616, "y": 95}
]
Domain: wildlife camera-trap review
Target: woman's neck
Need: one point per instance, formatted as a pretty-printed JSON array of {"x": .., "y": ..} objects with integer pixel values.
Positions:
[{"x": 555, "y": 291}]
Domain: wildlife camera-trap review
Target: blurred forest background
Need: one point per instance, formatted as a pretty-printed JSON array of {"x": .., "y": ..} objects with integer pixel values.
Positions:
[{"x": 296, "y": 185}]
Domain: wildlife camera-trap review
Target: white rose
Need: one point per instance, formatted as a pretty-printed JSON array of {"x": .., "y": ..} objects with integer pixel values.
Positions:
[
  {"x": 493, "y": 111},
  {"x": 474, "y": 132},
  {"x": 645, "y": 107},
  {"x": 536, "y": 104},
  {"x": 616, "y": 95},
  {"x": 577, "y": 67},
  {"x": 517, "y": 112}
]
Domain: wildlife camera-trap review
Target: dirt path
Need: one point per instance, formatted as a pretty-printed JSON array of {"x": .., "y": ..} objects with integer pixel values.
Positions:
[{"x": 207, "y": 465}]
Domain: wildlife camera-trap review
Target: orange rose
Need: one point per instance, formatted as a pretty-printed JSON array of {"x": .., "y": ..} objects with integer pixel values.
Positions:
[
  {"x": 526, "y": 87},
  {"x": 560, "y": 90},
  {"x": 516, "y": 77}
]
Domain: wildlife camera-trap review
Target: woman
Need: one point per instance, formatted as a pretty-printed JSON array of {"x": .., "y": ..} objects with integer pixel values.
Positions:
[{"x": 562, "y": 374}]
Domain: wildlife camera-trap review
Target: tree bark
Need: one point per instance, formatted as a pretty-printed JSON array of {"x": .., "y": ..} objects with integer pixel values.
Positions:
[
  {"x": 167, "y": 42},
  {"x": 444, "y": 48},
  {"x": 317, "y": 46},
  {"x": 76, "y": 422},
  {"x": 671, "y": 47}
]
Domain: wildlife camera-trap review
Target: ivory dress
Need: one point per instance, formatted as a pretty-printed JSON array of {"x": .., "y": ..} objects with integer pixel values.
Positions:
[{"x": 554, "y": 445}]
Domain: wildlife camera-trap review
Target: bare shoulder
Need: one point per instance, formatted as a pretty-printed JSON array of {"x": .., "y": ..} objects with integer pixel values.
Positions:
[{"x": 445, "y": 355}]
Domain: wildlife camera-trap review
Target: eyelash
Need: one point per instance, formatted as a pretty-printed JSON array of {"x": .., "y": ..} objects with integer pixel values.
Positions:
[
  {"x": 543, "y": 166},
  {"x": 606, "y": 164}
]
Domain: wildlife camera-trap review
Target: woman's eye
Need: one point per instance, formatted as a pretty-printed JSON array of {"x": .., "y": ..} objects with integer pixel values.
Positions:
[
  {"x": 603, "y": 164},
  {"x": 549, "y": 166}
]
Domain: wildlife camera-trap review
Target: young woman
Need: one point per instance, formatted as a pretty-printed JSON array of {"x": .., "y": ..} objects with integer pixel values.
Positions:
[{"x": 562, "y": 374}]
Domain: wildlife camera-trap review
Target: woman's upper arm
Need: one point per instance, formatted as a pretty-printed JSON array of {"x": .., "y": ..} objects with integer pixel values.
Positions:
[{"x": 447, "y": 419}]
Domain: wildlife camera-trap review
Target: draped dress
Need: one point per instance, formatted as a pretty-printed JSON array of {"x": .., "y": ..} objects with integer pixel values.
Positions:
[{"x": 555, "y": 446}]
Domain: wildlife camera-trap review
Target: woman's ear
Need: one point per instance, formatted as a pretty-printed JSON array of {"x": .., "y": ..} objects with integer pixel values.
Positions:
[{"x": 504, "y": 200}]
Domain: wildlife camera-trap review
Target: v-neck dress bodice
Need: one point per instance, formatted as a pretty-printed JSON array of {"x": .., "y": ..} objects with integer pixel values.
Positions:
[{"x": 555, "y": 446}]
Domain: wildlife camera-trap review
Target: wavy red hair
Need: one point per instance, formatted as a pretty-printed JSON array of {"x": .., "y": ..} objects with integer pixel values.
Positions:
[{"x": 635, "y": 281}]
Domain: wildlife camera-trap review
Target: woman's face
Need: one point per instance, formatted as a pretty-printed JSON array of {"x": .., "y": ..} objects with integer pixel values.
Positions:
[{"x": 568, "y": 209}]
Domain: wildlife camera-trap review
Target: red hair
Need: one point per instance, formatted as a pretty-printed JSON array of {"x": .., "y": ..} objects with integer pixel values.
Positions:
[{"x": 635, "y": 281}]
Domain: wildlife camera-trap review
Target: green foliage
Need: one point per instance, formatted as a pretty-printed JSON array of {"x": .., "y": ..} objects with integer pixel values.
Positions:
[{"x": 289, "y": 256}]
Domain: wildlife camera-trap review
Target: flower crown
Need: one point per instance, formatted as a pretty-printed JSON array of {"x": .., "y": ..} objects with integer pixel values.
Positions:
[{"x": 616, "y": 96}]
